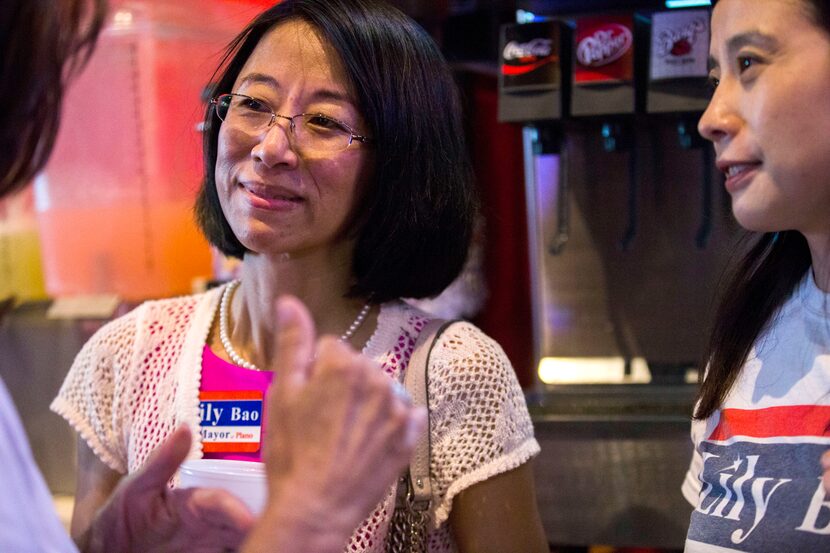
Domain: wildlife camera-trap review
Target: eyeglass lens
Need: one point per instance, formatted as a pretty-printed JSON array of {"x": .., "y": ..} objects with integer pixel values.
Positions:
[{"x": 309, "y": 131}]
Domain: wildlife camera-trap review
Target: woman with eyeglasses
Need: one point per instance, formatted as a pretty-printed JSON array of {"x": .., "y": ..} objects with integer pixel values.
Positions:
[
  {"x": 336, "y": 170},
  {"x": 43, "y": 45},
  {"x": 762, "y": 420}
]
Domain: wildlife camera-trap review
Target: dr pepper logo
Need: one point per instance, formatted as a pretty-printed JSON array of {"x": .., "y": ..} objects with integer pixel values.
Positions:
[
  {"x": 524, "y": 57},
  {"x": 605, "y": 45}
]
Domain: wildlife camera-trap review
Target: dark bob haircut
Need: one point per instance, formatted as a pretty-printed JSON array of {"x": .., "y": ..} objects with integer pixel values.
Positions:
[{"x": 413, "y": 226}]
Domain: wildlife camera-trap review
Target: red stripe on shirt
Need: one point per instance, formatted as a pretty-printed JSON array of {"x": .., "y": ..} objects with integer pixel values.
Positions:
[{"x": 790, "y": 420}]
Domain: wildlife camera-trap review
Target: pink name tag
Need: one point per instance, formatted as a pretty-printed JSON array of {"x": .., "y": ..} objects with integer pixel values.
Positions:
[{"x": 231, "y": 421}]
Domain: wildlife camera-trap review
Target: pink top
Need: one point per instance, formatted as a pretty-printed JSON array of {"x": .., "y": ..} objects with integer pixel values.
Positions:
[{"x": 230, "y": 402}]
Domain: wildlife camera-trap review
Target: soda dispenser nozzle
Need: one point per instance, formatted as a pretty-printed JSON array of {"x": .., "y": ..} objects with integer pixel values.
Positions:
[
  {"x": 615, "y": 137},
  {"x": 687, "y": 134}
]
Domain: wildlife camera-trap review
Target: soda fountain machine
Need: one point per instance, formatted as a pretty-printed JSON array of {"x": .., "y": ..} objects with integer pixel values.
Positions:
[{"x": 629, "y": 232}]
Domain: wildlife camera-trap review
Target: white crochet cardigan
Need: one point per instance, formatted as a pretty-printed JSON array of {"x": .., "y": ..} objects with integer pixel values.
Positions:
[{"x": 138, "y": 378}]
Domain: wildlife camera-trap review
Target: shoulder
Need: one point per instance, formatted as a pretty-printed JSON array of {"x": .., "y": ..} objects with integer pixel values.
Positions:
[
  {"x": 461, "y": 349},
  {"x": 464, "y": 344},
  {"x": 804, "y": 302},
  {"x": 178, "y": 311},
  {"x": 461, "y": 343},
  {"x": 461, "y": 336},
  {"x": 469, "y": 371},
  {"x": 154, "y": 318},
  {"x": 179, "y": 307}
]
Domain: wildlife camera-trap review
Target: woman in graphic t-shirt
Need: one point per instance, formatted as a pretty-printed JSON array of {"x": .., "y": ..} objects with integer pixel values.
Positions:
[{"x": 763, "y": 411}]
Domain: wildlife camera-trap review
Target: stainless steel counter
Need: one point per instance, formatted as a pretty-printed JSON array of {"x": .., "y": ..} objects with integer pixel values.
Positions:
[
  {"x": 613, "y": 458},
  {"x": 35, "y": 354}
]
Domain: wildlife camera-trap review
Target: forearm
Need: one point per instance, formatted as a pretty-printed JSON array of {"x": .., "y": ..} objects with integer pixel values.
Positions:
[
  {"x": 107, "y": 532},
  {"x": 286, "y": 527}
]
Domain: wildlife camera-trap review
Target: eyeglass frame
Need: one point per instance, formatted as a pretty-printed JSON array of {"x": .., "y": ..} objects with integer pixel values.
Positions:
[{"x": 363, "y": 139}]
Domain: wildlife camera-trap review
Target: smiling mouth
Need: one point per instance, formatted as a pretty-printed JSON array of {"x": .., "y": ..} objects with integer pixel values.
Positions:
[
  {"x": 271, "y": 194},
  {"x": 739, "y": 168},
  {"x": 739, "y": 175}
]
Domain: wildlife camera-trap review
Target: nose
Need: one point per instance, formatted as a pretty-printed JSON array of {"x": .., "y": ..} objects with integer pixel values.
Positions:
[
  {"x": 721, "y": 119},
  {"x": 275, "y": 145}
]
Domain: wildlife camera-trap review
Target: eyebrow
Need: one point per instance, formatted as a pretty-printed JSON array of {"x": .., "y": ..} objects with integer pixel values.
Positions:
[
  {"x": 735, "y": 43},
  {"x": 322, "y": 94},
  {"x": 259, "y": 78}
]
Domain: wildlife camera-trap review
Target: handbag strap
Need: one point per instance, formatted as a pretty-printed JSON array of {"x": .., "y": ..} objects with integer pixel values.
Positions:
[{"x": 416, "y": 382}]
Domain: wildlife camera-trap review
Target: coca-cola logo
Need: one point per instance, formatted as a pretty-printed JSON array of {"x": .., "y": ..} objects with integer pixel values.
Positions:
[
  {"x": 679, "y": 41},
  {"x": 527, "y": 56},
  {"x": 527, "y": 51},
  {"x": 606, "y": 45}
]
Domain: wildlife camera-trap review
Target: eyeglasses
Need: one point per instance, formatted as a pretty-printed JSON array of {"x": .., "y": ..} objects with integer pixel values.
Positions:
[{"x": 307, "y": 132}]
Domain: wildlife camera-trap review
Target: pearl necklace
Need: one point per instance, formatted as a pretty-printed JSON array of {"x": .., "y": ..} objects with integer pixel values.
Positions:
[{"x": 224, "y": 309}]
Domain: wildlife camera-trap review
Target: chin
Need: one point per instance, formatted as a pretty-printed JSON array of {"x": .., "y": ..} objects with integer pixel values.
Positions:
[{"x": 755, "y": 220}]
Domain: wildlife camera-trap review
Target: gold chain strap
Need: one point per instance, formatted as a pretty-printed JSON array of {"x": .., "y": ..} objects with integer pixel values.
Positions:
[{"x": 408, "y": 527}]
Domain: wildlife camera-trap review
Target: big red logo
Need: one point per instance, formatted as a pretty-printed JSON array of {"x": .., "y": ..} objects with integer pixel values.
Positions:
[
  {"x": 604, "y": 49},
  {"x": 606, "y": 45}
]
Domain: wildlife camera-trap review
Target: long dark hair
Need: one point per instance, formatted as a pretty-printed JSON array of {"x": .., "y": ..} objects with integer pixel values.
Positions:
[
  {"x": 758, "y": 286},
  {"x": 44, "y": 43},
  {"x": 413, "y": 225}
]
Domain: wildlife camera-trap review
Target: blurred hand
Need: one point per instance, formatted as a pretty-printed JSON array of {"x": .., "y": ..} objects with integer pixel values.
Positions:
[
  {"x": 145, "y": 515},
  {"x": 338, "y": 437},
  {"x": 825, "y": 465}
]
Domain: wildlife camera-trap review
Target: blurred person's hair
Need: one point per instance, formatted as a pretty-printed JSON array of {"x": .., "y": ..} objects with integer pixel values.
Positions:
[{"x": 43, "y": 44}]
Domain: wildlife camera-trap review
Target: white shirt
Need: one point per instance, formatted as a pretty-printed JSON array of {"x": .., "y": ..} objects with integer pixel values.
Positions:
[
  {"x": 28, "y": 522},
  {"x": 755, "y": 478}
]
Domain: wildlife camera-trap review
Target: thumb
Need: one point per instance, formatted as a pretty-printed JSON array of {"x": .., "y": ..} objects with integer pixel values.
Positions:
[
  {"x": 164, "y": 461},
  {"x": 295, "y": 344},
  {"x": 294, "y": 341}
]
